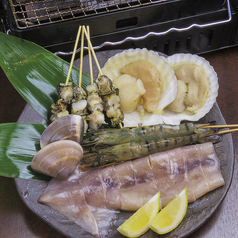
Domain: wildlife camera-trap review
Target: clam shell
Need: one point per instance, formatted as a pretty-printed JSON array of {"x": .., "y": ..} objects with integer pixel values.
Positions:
[
  {"x": 69, "y": 127},
  {"x": 169, "y": 82},
  {"x": 58, "y": 159},
  {"x": 177, "y": 60}
]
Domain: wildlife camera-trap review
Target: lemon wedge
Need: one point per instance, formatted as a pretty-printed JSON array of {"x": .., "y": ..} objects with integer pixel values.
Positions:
[
  {"x": 171, "y": 215},
  {"x": 138, "y": 223}
]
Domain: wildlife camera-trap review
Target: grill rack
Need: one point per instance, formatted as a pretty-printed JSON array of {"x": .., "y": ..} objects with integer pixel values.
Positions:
[
  {"x": 168, "y": 26},
  {"x": 107, "y": 43},
  {"x": 32, "y": 13}
]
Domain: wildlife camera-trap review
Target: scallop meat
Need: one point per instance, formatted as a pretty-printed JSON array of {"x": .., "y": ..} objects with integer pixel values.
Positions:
[
  {"x": 146, "y": 82},
  {"x": 197, "y": 88}
]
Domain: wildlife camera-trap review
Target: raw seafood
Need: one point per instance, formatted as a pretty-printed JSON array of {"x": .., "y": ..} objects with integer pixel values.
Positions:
[
  {"x": 91, "y": 198},
  {"x": 163, "y": 90},
  {"x": 69, "y": 127},
  {"x": 103, "y": 156},
  {"x": 140, "y": 134},
  {"x": 58, "y": 159},
  {"x": 197, "y": 88},
  {"x": 149, "y": 75},
  {"x": 130, "y": 92}
]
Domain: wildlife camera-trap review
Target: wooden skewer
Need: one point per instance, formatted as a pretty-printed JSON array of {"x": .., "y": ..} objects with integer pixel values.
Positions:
[
  {"x": 90, "y": 59},
  {"x": 92, "y": 50},
  {"x": 81, "y": 58},
  {"x": 218, "y": 126},
  {"x": 73, "y": 56},
  {"x": 222, "y": 132}
]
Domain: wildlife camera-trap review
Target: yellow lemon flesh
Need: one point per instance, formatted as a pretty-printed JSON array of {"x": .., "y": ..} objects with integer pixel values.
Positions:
[
  {"x": 138, "y": 223},
  {"x": 171, "y": 215}
]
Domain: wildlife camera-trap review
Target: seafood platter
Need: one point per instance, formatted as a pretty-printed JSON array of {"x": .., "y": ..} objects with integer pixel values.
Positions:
[{"x": 146, "y": 124}]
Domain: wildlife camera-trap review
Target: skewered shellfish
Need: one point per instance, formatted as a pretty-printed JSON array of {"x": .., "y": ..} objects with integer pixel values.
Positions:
[
  {"x": 59, "y": 109},
  {"x": 69, "y": 127},
  {"x": 101, "y": 95},
  {"x": 58, "y": 159},
  {"x": 197, "y": 88},
  {"x": 158, "y": 79}
]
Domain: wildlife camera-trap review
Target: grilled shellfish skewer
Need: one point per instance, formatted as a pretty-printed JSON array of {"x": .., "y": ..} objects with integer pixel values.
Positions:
[
  {"x": 94, "y": 101},
  {"x": 79, "y": 105},
  {"x": 95, "y": 106},
  {"x": 80, "y": 102},
  {"x": 105, "y": 85},
  {"x": 59, "y": 109},
  {"x": 65, "y": 90},
  {"x": 110, "y": 96},
  {"x": 99, "y": 157},
  {"x": 106, "y": 88}
]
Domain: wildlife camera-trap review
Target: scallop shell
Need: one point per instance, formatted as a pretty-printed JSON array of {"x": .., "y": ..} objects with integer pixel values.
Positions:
[
  {"x": 177, "y": 60},
  {"x": 169, "y": 82}
]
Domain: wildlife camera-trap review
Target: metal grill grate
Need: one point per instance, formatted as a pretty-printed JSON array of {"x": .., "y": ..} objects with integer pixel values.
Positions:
[
  {"x": 167, "y": 26},
  {"x": 30, "y": 13}
]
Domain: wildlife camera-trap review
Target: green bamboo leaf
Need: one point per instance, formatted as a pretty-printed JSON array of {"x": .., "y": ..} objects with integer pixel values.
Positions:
[
  {"x": 19, "y": 143},
  {"x": 35, "y": 72}
]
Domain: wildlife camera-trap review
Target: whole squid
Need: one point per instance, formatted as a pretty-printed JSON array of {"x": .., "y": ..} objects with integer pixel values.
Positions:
[{"x": 93, "y": 198}]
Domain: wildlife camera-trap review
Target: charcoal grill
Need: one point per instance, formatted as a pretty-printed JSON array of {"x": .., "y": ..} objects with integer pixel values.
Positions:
[{"x": 168, "y": 26}]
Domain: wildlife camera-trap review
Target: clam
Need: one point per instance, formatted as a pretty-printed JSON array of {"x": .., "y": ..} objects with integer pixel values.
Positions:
[
  {"x": 69, "y": 127},
  {"x": 58, "y": 159}
]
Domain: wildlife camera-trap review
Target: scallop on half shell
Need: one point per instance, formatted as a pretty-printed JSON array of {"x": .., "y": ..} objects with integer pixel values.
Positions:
[
  {"x": 116, "y": 67},
  {"x": 199, "y": 85}
]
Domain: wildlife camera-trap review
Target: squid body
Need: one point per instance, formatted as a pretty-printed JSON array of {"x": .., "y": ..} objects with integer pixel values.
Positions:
[{"x": 93, "y": 198}]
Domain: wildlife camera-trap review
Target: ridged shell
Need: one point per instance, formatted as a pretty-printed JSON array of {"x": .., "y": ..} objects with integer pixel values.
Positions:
[
  {"x": 58, "y": 159},
  {"x": 182, "y": 59},
  {"x": 69, "y": 127},
  {"x": 169, "y": 82}
]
